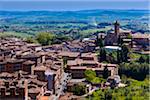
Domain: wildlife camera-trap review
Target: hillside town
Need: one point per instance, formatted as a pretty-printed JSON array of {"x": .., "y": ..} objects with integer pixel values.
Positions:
[{"x": 30, "y": 71}]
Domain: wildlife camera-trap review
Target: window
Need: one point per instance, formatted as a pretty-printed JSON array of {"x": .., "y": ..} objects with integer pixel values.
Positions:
[
  {"x": 17, "y": 67},
  {"x": 2, "y": 68}
]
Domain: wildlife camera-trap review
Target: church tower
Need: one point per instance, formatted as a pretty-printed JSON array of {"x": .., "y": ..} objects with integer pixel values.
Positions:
[{"x": 116, "y": 28}]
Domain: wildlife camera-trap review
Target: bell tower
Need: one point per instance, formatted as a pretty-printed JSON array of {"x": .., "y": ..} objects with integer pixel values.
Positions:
[{"x": 116, "y": 28}]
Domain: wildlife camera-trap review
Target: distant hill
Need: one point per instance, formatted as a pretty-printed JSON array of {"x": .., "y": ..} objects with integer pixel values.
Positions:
[
  {"x": 100, "y": 15},
  {"x": 84, "y": 22}
]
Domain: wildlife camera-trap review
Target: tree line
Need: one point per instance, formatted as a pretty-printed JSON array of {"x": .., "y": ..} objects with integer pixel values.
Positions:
[{"x": 46, "y": 38}]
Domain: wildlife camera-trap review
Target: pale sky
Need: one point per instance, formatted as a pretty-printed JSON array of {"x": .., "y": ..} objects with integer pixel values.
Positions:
[
  {"x": 67, "y": 5},
  {"x": 79, "y": 0}
]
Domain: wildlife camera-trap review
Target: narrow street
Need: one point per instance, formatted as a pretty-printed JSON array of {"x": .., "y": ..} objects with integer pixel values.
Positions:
[{"x": 65, "y": 77}]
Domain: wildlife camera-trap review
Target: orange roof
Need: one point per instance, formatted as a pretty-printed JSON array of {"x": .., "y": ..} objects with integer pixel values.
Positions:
[{"x": 46, "y": 98}]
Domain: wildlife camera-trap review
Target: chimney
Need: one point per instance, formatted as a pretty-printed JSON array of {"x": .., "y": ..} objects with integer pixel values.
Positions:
[
  {"x": 42, "y": 58},
  {"x": 32, "y": 69},
  {"x": 26, "y": 89},
  {"x": 19, "y": 75}
]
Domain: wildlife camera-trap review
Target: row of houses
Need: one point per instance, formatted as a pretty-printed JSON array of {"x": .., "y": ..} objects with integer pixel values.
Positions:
[
  {"x": 44, "y": 65},
  {"x": 16, "y": 55},
  {"x": 77, "y": 63}
]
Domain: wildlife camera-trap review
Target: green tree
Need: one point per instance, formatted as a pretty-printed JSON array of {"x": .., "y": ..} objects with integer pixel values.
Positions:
[
  {"x": 108, "y": 94},
  {"x": 119, "y": 57},
  {"x": 89, "y": 75},
  {"x": 98, "y": 95},
  {"x": 30, "y": 40},
  {"x": 60, "y": 38},
  {"x": 45, "y": 38},
  {"x": 124, "y": 53},
  {"x": 102, "y": 54},
  {"x": 100, "y": 42},
  {"x": 135, "y": 70},
  {"x": 137, "y": 90},
  {"x": 129, "y": 36},
  {"x": 112, "y": 57},
  {"x": 79, "y": 89},
  {"x": 106, "y": 73},
  {"x": 98, "y": 80},
  {"x": 142, "y": 59},
  {"x": 147, "y": 59}
]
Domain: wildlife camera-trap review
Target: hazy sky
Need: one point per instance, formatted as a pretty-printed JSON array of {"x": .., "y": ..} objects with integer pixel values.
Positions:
[
  {"x": 56, "y": 5},
  {"x": 73, "y": 0}
]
